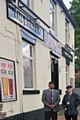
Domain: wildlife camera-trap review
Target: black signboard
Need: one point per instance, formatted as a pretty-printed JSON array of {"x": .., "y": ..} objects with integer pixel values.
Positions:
[
  {"x": 22, "y": 19},
  {"x": 68, "y": 48},
  {"x": 67, "y": 55}
]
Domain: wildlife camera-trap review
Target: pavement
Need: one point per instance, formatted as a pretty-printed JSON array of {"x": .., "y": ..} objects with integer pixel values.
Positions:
[
  {"x": 61, "y": 115},
  {"x": 63, "y": 118}
]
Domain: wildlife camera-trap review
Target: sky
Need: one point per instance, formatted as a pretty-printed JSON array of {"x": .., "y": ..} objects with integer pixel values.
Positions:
[{"x": 67, "y": 3}]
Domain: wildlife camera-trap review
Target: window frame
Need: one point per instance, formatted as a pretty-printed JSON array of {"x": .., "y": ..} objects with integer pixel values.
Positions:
[
  {"x": 52, "y": 11},
  {"x": 67, "y": 74},
  {"x": 66, "y": 32},
  {"x": 32, "y": 59}
]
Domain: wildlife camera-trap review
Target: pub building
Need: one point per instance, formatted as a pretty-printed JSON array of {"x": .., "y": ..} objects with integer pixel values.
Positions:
[{"x": 35, "y": 48}]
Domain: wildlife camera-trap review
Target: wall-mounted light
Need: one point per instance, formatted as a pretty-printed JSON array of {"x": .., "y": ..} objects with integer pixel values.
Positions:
[{"x": 55, "y": 61}]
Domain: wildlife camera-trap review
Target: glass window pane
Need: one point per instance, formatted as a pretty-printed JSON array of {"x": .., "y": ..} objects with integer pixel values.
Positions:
[
  {"x": 67, "y": 73},
  {"x": 51, "y": 6},
  {"x": 31, "y": 51},
  {"x": 52, "y": 15},
  {"x": 52, "y": 66},
  {"x": 66, "y": 35},
  {"x": 28, "y": 73},
  {"x": 50, "y": 11},
  {"x": 52, "y": 20},
  {"x": 26, "y": 49},
  {"x": 26, "y": 2},
  {"x": 11, "y": 13},
  {"x": 66, "y": 79},
  {"x": 66, "y": 32}
]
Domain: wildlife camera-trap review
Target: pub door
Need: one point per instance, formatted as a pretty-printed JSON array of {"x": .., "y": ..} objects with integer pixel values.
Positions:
[{"x": 54, "y": 74}]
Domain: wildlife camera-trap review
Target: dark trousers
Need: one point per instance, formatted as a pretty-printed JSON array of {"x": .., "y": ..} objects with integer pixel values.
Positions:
[
  {"x": 50, "y": 114},
  {"x": 68, "y": 117}
]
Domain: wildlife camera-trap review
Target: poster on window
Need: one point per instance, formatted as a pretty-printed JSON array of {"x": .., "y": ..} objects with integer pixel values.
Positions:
[{"x": 7, "y": 80}]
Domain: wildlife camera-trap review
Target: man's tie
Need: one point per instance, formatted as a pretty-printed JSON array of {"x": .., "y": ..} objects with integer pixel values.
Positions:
[
  {"x": 69, "y": 96},
  {"x": 51, "y": 96}
]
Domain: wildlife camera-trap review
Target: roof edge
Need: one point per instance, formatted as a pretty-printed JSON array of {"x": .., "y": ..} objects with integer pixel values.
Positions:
[{"x": 66, "y": 11}]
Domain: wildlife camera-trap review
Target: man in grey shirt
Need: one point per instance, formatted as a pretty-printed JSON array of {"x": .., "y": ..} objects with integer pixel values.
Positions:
[{"x": 51, "y": 99}]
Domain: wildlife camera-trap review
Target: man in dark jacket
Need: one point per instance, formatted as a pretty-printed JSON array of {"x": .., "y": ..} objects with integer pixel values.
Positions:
[{"x": 70, "y": 103}]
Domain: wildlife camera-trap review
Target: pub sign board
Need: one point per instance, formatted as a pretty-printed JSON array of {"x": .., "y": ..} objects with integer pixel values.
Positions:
[
  {"x": 51, "y": 43},
  {"x": 7, "y": 80},
  {"x": 21, "y": 18},
  {"x": 67, "y": 55}
]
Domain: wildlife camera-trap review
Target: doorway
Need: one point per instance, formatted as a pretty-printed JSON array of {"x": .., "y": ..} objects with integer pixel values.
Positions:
[{"x": 54, "y": 73}]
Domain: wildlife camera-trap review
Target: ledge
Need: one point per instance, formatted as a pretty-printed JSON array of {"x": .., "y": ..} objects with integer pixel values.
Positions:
[{"x": 28, "y": 92}]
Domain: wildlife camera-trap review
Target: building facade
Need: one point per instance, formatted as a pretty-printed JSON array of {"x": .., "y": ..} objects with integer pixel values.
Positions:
[{"x": 36, "y": 46}]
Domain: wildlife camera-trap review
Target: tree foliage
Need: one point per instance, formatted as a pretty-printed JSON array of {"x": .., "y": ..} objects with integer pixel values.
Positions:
[{"x": 75, "y": 8}]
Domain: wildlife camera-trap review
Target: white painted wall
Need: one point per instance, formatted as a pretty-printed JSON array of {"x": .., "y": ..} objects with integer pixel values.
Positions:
[
  {"x": 42, "y": 9},
  {"x": 60, "y": 25}
]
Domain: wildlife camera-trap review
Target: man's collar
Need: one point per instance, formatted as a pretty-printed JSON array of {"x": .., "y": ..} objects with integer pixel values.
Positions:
[
  {"x": 70, "y": 93},
  {"x": 51, "y": 89}
]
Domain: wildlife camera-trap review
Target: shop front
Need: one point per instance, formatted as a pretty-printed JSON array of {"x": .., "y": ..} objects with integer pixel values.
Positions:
[{"x": 55, "y": 53}]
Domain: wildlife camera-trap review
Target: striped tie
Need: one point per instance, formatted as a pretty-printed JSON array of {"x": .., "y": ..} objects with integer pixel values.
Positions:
[
  {"x": 69, "y": 96},
  {"x": 51, "y": 96}
]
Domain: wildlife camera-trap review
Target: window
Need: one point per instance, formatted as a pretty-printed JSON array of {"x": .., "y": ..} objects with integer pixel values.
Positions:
[
  {"x": 27, "y": 50},
  {"x": 26, "y": 2},
  {"x": 67, "y": 74},
  {"x": 52, "y": 14},
  {"x": 66, "y": 32}
]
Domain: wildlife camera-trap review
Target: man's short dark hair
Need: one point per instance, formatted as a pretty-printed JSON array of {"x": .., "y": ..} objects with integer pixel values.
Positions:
[{"x": 51, "y": 83}]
